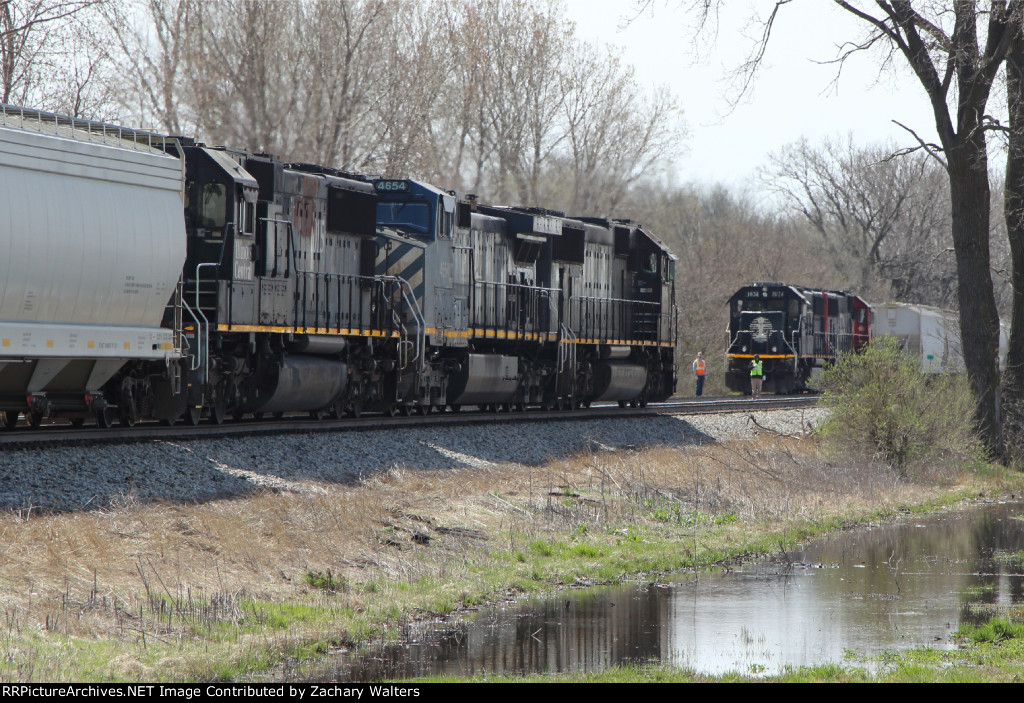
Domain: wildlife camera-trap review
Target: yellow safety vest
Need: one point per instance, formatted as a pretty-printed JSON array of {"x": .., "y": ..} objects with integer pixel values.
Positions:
[
  {"x": 700, "y": 367},
  {"x": 756, "y": 371}
]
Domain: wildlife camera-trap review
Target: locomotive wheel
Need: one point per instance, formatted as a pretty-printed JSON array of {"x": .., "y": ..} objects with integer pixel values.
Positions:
[
  {"x": 105, "y": 418},
  {"x": 10, "y": 419},
  {"x": 218, "y": 412},
  {"x": 193, "y": 415}
]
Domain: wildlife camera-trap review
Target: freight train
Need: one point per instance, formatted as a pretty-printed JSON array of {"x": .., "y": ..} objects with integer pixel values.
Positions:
[
  {"x": 148, "y": 276},
  {"x": 796, "y": 332}
]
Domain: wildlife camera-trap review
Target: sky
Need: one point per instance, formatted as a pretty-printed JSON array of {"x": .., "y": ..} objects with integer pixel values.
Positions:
[{"x": 793, "y": 96}]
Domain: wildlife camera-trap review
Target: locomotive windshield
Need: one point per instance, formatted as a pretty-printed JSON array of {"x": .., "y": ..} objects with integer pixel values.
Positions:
[{"x": 404, "y": 216}]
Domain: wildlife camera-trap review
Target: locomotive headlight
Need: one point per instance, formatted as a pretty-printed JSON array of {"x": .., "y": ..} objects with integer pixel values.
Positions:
[
  {"x": 744, "y": 349},
  {"x": 775, "y": 349}
]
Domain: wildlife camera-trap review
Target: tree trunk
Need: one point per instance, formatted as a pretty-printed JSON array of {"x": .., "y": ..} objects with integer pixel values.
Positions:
[
  {"x": 1013, "y": 208},
  {"x": 979, "y": 321}
]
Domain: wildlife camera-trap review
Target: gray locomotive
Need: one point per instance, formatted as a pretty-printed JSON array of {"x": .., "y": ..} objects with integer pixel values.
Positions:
[{"x": 291, "y": 287}]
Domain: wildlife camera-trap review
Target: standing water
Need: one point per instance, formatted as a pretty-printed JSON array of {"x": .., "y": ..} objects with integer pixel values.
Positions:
[{"x": 866, "y": 591}]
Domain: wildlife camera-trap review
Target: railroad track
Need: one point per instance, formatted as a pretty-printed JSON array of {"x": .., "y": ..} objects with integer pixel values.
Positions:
[{"x": 63, "y": 433}]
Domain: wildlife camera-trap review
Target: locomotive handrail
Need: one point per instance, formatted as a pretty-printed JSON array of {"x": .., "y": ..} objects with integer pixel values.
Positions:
[{"x": 196, "y": 360}]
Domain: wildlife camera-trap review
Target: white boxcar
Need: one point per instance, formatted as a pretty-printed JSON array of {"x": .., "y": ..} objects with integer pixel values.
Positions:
[
  {"x": 92, "y": 244},
  {"x": 929, "y": 334}
]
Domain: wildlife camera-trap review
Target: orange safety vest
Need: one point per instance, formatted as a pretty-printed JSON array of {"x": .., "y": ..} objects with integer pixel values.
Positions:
[{"x": 700, "y": 366}]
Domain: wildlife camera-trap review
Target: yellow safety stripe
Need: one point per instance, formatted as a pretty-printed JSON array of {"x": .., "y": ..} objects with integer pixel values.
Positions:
[{"x": 763, "y": 356}]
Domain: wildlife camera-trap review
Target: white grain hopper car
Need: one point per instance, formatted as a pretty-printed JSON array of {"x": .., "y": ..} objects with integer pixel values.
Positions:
[
  {"x": 929, "y": 334},
  {"x": 926, "y": 333},
  {"x": 92, "y": 244}
]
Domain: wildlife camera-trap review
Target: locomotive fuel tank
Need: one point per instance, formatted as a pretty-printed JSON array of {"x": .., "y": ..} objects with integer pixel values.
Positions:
[
  {"x": 298, "y": 383},
  {"x": 484, "y": 378},
  {"x": 618, "y": 381}
]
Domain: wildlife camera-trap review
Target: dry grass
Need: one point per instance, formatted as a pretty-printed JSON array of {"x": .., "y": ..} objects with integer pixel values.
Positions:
[{"x": 178, "y": 573}]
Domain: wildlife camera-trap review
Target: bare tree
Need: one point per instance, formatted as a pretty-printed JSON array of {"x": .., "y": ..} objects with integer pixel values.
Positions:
[
  {"x": 614, "y": 132},
  {"x": 39, "y": 53},
  {"x": 880, "y": 217},
  {"x": 155, "y": 43}
]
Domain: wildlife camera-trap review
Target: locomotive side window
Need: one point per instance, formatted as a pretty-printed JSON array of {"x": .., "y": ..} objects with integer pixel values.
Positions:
[
  {"x": 248, "y": 218},
  {"x": 213, "y": 206}
]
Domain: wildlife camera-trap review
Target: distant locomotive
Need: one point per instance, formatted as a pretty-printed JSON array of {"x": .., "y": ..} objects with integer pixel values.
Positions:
[
  {"x": 796, "y": 331},
  {"x": 179, "y": 280}
]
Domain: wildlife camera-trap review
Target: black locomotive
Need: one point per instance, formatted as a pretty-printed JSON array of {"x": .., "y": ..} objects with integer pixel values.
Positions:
[{"x": 795, "y": 331}]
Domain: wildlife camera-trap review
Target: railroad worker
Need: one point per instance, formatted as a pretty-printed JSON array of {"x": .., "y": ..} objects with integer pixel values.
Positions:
[
  {"x": 699, "y": 369},
  {"x": 756, "y": 376}
]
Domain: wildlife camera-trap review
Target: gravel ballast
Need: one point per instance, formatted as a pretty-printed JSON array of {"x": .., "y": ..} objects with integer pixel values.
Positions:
[{"x": 92, "y": 477}]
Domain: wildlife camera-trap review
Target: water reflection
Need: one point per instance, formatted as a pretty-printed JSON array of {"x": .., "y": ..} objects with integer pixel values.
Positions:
[{"x": 865, "y": 591}]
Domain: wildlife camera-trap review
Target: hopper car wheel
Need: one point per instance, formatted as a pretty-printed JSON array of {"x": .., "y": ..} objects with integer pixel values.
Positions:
[
  {"x": 521, "y": 407},
  {"x": 623, "y": 403},
  {"x": 168, "y": 421},
  {"x": 633, "y": 403},
  {"x": 10, "y": 419},
  {"x": 127, "y": 408},
  {"x": 128, "y": 416},
  {"x": 77, "y": 421},
  {"x": 422, "y": 410},
  {"x": 193, "y": 415},
  {"x": 642, "y": 402},
  {"x": 356, "y": 409},
  {"x": 585, "y": 404},
  {"x": 35, "y": 419},
  {"x": 392, "y": 411},
  {"x": 258, "y": 416},
  {"x": 318, "y": 414},
  {"x": 456, "y": 407},
  {"x": 237, "y": 415},
  {"x": 278, "y": 415},
  {"x": 105, "y": 418}
]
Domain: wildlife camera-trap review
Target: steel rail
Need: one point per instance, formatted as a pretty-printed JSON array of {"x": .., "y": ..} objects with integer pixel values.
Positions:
[{"x": 55, "y": 433}]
